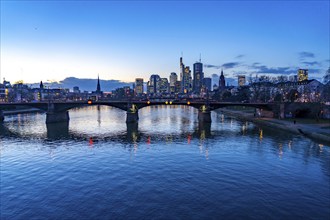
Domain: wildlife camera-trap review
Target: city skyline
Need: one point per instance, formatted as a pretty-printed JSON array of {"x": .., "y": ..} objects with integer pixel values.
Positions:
[{"x": 128, "y": 40}]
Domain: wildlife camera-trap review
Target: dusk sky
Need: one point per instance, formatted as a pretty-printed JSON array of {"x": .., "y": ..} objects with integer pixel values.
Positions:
[{"x": 52, "y": 40}]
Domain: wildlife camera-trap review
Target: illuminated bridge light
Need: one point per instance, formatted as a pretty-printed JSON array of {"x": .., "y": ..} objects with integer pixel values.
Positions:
[
  {"x": 148, "y": 102},
  {"x": 170, "y": 102},
  {"x": 89, "y": 102},
  {"x": 166, "y": 102},
  {"x": 188, "y": 103}
]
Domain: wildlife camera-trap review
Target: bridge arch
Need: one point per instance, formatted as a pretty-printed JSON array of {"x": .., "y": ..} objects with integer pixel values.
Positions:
[{"x": 58, "y": 111}]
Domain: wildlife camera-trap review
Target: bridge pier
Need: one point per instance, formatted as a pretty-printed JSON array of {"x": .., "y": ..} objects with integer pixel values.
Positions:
[
  {"x": 132, "y": 114},
  {"x": 54, "y": 117},
  {"x": 132, "y": 117},
  {"x": 204, "y": 116},
  {"x": 2, "y": 116}
]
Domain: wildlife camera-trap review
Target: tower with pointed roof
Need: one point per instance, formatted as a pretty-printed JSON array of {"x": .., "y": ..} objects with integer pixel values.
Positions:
[
  {"x": 222, "y": 82},
  {"x": 98, "y": 87},
  {"x": 41, "y": 85}
]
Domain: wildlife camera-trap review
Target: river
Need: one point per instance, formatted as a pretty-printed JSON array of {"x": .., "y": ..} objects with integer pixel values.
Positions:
[{"x": 168, "y": 166}]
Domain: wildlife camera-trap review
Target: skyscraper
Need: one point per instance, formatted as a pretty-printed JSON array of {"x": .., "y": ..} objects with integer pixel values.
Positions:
[
  {"x": 153, "y": 84},
  {"x": 138, "y": 86},
  {"x": 198, "y": 77},
  {"x": 185, "y": 78},
  {"x": 173, "y": 80},
  {"x": 163, "y": 85},
  {"x": 302, "y": 75}
]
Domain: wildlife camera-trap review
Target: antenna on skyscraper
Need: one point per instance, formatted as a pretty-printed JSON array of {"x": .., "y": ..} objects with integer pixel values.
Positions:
[{"x": 200, "y": 57}]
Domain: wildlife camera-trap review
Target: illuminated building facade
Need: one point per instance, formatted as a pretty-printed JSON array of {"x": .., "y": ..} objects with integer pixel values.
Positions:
[
  {"x": 153, "y": 84},
  {"x": 198, "y": 77},
  {"x": 138, "y": 86},
  {"x": 163, "y": 86},
  {"x": 2, "y": 93},
  {"x": 185, "y": 78},
  {"x": 177, "y": 86},
  {"x": 302, "y": 75},
  {"x": 173, "y": 80}
]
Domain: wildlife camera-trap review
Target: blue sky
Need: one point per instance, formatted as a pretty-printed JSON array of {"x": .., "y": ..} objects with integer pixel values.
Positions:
[{"x": 52, "y": 40}]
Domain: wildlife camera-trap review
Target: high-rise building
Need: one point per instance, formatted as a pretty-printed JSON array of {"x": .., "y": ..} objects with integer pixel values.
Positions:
[
  {"x": 222, "y": 82},
  {"x": 187, "y": 83},
  {"x": 138, "y": 86},
  {"x": 153, "y": 84},
  {"x": 198, "y": 77},
  {"x": 185, "y": 78},
  {"x": 302, "y": 75},
  {"x": 163, "y": 86},
  {"x": 241, "y": 80},
  {"x": 207, "y": 83},
  {"x": 173, "y": 80},
  {"x": 177, "y": 87},
  {"x": 181, "y": 69}
]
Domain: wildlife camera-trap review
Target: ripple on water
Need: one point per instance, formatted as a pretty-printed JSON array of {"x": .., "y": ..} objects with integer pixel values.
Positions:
[{"x": 168, "y": 166}]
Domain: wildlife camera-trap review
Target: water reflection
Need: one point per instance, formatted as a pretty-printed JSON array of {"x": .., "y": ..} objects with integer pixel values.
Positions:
[
  {"x": 132, "y": 135},
  {"x": 58, "y": 130},
  {"x": 99, "y": 115},
  {"x": 4, "y": 131},
  {"x": 204, "y": 130}
]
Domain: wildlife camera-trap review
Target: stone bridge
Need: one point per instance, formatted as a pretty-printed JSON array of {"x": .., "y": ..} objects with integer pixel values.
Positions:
[{"x": 57, "y": 111}]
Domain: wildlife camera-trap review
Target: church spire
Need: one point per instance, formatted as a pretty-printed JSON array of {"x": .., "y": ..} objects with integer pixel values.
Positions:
[
  {"x": 41, "y": 85},
  {"x": 222, "y": 81},
  {"x": 98, "y": 88}
]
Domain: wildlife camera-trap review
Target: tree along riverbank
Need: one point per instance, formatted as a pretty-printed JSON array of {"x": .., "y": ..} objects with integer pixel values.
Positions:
[{"x": 317, "y": 130}]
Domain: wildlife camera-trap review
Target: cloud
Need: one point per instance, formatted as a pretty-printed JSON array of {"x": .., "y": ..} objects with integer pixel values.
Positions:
[
  {"x": 313, "y": 71},
  {"x": 240, "y": 56},
  {"x": 304, "y": 55},
  {"x": 229, "y": 65},
  {"x": 85, "y": 84},
  {"x": 263, "y": 69},
  {"x": 277, "y": 70},
  {"x": 313, "y": 63},
  {"x": 212, "y": 66}
]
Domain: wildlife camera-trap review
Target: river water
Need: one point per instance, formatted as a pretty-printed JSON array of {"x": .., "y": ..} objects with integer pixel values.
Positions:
[{"x": 168, "y": 166}]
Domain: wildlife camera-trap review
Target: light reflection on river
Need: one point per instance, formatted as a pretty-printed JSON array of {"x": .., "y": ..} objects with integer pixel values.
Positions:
[{"x": 166, "y": 166}]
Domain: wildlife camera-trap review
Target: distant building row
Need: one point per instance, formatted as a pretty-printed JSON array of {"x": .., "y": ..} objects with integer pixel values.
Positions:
[{"x": 186, "y": 84}]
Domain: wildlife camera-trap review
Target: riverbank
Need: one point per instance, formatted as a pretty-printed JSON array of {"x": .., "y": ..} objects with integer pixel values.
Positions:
[{"x": 315, "y": 130}]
